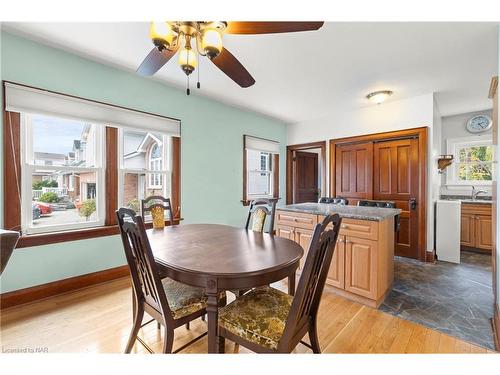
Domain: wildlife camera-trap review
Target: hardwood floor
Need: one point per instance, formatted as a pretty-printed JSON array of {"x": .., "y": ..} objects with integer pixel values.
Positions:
[{"x": 98, "y": 319}]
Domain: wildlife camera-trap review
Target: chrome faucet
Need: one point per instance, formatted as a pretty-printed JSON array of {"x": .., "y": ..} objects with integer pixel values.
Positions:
[{"x": 475, "y": 193}]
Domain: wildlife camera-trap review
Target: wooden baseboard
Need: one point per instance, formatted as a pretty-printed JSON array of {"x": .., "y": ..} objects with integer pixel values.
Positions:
[
  {"x": 360, "y": 299},
  {"x": 22, "y": 296},
  {"x": 496, "y": 326},
  {"x": 430, "y": 256}
]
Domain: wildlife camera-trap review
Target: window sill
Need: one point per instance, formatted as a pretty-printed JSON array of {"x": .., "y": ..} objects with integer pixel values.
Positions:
[{"x": 32, "y": 240}]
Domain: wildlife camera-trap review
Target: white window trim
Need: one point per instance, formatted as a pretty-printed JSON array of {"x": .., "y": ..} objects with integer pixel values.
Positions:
[
  {"x": 452, "y": 145},
  {"x": 27, "y": 170},
  {"x": 150, "y": 162},
  {"x": 270, "y": 172},
  {"x": 166, "y": 167}
]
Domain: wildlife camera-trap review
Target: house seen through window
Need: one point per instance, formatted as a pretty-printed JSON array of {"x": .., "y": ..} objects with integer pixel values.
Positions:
[
  {"x": 145, "y": 166},
  {"x": 64, "y": 173}
]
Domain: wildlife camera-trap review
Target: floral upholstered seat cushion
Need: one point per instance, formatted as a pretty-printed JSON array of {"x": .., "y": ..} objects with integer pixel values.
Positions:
[
  {"x": 184, "y": 299},
  {"x": 258, "y": 316},
  {"x": 259, "y": 220}
]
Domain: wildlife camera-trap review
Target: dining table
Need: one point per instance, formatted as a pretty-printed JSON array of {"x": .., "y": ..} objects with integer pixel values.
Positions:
[{"x": 222, "y": 257}]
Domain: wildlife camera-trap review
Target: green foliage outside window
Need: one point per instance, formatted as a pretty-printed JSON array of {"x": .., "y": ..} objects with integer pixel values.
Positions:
[
  {"x": 38, "y": 185},
  {"x": 88, "y": 208},
  {"x": 49, "y": 198},
  {"x": 475, "y": 163}
]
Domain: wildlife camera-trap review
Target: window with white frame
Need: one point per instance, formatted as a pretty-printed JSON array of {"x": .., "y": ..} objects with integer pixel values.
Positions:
[
  {"x": 68, "y": 192},
  {"x": 145, "y": 166},
  {"x": 259, "y": 168},
  {"x": 155, "y": 164},
  {"x": 473, "y": 161}
]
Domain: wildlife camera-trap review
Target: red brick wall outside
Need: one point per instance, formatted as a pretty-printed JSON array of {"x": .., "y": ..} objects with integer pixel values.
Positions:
[{"x": 130, "y": 188}]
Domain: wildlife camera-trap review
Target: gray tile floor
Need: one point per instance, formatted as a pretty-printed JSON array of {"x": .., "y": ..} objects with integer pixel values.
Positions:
[{"x": 456, "y": 299}]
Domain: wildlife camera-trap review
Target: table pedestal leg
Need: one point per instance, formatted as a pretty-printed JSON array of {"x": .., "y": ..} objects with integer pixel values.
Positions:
[{"x": 212, "y": 314}]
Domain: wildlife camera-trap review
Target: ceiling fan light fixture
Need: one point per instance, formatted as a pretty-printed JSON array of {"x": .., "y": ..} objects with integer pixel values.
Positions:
[
  {"x": 379, "y": 97},
  {"x": 162, "y": 35},
  {"x": 211, "y": 42},
  {"x": 187, "y": 60}
]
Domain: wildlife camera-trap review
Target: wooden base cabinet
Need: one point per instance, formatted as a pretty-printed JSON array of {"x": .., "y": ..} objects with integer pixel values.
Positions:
[
  {"x": 362, "y": 267},
  {"x": 336, "y": 272},
  {"x": 476, "y": 227}
]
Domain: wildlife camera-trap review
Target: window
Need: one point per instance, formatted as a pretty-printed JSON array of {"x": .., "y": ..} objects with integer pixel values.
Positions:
[
  {"x": 473, "y": 162},
  {"x": 145, "y": 166},
  {"x": 67, "y": 190},
  {"x": 155, "y": 164},
  {"x": 64, "y": 164},
  {"x": 261, "y": 173}
]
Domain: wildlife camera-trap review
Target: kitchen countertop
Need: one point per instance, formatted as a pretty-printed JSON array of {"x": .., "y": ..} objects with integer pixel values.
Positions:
[
  {"x": 466, "y": 199},
  {"x": 350, "y": 212}
]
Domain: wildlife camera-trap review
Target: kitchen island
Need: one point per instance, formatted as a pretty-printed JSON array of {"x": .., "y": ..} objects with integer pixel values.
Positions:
[{"x": 362, "y": 267}]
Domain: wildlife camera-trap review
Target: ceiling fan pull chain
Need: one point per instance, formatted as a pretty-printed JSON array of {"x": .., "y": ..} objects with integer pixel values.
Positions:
[
  {"x": 188, "y": 92},
  {"x": 198, "y": 83}
]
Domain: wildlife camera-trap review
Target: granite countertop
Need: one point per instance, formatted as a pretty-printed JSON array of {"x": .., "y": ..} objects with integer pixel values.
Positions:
[
  {"x": 350, "y": 212},
  {"x": 467, "y": 199}
]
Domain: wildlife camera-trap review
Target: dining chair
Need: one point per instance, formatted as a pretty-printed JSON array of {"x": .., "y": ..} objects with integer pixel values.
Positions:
[
  {"x": 260, "y": 209},
  {"x": 382, "y": 204},
  {"x": 8, "y": 242},
  {"x": 169, "y": 302},
  {"x": 156, "y": 205},
  {"x": 266, "y": 320},
  {"x": 258, "y": 212},
  {"x": 338, "y": 200}
]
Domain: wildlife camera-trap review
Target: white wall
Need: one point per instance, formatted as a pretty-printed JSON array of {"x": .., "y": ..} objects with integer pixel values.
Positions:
[
  {"x": 395, "y": 115},
  {"x": 434, "y": 180},
  {"x": 454, "y": 127},
  {"x": 498, "y": 190}
]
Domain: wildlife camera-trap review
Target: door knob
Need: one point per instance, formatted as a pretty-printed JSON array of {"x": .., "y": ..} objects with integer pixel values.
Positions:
[{"x": 413, "y": 203}]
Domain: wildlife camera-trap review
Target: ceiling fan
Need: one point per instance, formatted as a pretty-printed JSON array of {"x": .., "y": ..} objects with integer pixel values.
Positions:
[{"x": 179, "y": 36}]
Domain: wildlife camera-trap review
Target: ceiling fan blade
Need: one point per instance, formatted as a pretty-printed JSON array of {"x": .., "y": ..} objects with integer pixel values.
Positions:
[
  {"x": 270, "y": 27},
  {"x": 230, "y": 65},
  {"x": 154, "y": 61}
]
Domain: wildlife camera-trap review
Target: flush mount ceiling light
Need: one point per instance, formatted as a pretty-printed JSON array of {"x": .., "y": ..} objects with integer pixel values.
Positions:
[
  {"x": 195, "y": 39},
  {"x": 379, "y": 96}
]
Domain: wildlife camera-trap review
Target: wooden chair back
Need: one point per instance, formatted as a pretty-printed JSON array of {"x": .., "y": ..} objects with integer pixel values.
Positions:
[
  {"x": 153, "y": 201},
  {"x": 8, "y": 241},
  {"x": 146, "y": 281},
  {"x": 312, "y": 282},
  {"x": 267, "y": 206}
]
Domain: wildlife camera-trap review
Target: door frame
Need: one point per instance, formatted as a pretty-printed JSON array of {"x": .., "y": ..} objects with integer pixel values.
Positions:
[
  {"x": 422, "y": 134},
  {"x": 290, "y": 166}
]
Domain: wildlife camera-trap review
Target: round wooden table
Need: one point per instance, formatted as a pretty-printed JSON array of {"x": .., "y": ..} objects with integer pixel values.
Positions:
[{"x": 221, "y": 257}]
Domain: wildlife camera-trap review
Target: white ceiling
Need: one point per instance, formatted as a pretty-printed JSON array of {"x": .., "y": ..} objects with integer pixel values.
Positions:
[{"x": 302, "y": 76}]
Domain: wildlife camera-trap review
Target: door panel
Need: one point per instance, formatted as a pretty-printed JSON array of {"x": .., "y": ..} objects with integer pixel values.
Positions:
[
  {"x": 360, "y": 266},
  {"x": 303, "y": 237},
  {"x": 396, "y": 178},
  {"x": 306, "y": 177},
  {"x": 484, "y": 238},
  {"x": 467, "y": 229},
  {"x": 335, "y": 275},
  {"x": 353, "y": 171},
  {"x": 285, "y": 232}
]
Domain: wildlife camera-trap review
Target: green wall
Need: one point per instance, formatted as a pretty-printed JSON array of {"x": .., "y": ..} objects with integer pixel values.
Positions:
[{"x": 211, "y": 158}]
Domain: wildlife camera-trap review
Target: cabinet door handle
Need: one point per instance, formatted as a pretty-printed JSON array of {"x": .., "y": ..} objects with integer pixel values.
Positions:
[{"x": 340, "y": 240}]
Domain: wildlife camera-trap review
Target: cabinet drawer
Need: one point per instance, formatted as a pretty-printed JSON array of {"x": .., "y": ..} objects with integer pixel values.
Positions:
[
  {"x": 296, "y": 219},
  {"x": 476, "y": 209},
  {"x": 357, "y": 228}
]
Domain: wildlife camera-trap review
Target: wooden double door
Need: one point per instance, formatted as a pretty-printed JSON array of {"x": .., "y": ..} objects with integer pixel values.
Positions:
[{"x": 385, "y": 170}]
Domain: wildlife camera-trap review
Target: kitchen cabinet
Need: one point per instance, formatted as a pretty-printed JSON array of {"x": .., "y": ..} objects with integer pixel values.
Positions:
[
  {"x": 476, "y": 227},
  {"x": 362, "y": 266}
]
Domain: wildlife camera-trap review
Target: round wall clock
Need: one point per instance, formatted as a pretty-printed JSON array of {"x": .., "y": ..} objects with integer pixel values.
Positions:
[{"x": 479, "y": 124}]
